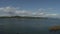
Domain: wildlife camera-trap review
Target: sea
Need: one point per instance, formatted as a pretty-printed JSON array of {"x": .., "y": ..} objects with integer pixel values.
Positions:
[{"x": 27, "y": 26}]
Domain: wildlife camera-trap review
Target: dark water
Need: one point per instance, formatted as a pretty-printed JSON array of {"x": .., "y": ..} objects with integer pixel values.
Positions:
[{"x": 27, "y": 26}]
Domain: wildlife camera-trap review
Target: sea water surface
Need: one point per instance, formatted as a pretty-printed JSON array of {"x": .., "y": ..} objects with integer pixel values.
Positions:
[{"x": 27, "y": 26}]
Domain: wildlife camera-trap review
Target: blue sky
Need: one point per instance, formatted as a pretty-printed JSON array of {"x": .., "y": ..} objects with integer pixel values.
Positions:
[{"x": 41, "y": 8}]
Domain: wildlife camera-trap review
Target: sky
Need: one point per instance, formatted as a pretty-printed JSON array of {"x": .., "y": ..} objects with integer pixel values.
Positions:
[{"x": 36, "y": 8}]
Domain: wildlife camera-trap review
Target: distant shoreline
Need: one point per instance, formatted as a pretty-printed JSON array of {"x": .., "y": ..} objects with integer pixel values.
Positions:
[{"x": 25, "y": 17}]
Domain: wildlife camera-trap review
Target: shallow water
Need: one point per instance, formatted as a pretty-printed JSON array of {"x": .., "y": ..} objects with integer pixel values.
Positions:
[{"x": 27, "y": 26}]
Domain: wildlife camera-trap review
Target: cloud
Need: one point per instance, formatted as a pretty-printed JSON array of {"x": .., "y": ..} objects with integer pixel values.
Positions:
[
  {"x": 51, "y": 14},
  {"x": 12, "y": 11}
]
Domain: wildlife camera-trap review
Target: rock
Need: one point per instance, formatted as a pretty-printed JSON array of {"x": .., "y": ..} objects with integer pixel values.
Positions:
[{"x": 54, "y": 28}]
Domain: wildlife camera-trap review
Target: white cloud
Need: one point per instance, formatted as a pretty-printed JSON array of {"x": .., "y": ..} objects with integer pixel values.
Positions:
[
  {"x": 51, "y": 15},
  {"x": 12, "y": 11}
]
